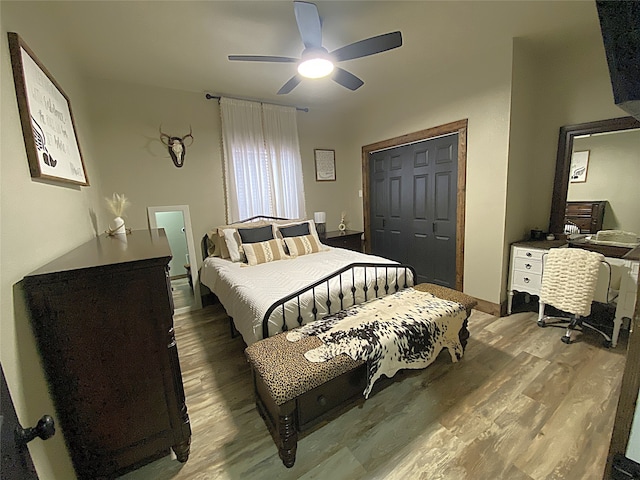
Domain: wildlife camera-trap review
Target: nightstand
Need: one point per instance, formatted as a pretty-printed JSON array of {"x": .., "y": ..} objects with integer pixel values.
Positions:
[{"x": 349, "y": 239}]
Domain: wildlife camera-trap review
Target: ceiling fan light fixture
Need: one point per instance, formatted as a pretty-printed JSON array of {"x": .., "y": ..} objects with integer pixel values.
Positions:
[
  {"x": 317, "y": 67},
  {"x": 316, "y": 61}
]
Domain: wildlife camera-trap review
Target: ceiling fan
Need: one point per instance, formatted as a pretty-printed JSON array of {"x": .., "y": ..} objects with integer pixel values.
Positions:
[{"x": 316, "y": 61}]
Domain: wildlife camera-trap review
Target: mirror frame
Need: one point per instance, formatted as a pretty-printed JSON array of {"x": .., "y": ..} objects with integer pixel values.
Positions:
[
  {"x": 195, "y": 281},
  {"x": 563, "y": 161}
]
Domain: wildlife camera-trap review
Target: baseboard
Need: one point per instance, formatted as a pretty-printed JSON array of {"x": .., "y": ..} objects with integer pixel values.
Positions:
[{"x": 491, "y": 308}]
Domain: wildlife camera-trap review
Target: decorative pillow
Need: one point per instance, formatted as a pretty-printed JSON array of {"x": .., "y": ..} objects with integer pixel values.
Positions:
[
  {"x": 303, "y": 245},
  {"x": 216, "y": 245},
  {"x": 212, "y": 244},
  {"x": 299, "y": 230},
  {"x": 232, "y": 240},
  {"x": 310, "y": 223},
  {"x": 221, "y": 228},
  {"x": 263, "y": 252},
  {"x": 256, "y": 235}
]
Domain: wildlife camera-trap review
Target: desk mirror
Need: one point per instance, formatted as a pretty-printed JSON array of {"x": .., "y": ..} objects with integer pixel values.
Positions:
[{"x": 611, "y": 176}]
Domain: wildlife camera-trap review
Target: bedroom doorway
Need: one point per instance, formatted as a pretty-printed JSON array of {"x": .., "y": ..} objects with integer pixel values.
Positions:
[
  {"x": 176, "y": 222},
  {"x": 434, "y": 181}
]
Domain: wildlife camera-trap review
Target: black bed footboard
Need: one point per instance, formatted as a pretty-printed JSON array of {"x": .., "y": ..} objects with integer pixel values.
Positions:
[{"x": 353, "y": 284}]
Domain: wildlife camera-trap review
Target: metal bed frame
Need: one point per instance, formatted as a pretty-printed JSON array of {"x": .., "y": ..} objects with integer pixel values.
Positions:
[{"x": 346, "y": 287}]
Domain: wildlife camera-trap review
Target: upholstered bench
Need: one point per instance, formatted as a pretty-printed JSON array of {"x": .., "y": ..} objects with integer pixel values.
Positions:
[{"x": 293, "y": 394}]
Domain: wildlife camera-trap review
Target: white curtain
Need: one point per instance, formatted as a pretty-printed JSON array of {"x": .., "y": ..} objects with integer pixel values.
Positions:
[{"x": 263, "y": 168}]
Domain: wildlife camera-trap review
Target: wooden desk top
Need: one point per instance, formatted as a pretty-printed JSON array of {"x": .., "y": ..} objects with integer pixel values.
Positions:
[
  {"x": 633, "y": 254},
  {"x": 610, "y": 251},
  {"x": 542, "y": 244},
  {"x": 607, "y": 250}
]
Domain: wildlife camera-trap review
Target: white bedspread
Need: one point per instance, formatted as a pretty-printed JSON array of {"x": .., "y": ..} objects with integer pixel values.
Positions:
[{"x": 247, "y": 292}]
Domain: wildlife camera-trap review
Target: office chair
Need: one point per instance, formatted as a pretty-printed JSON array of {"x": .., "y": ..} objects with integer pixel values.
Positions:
[
  {"x": 570, "y": 227},
  {"x": 569, "y": 280}
]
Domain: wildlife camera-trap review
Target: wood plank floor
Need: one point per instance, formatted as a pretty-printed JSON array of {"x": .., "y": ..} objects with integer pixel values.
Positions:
[{"x": 519, "y": 405}]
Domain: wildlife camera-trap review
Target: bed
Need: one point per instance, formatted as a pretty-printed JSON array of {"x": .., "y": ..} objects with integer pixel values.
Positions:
[
  {"x": 349, "y": 318},
  {"x": 264, "y": 298}
]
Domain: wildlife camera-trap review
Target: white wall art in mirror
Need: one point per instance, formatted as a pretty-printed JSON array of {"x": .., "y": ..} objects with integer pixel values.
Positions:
[{"x": 579, "y": 167}]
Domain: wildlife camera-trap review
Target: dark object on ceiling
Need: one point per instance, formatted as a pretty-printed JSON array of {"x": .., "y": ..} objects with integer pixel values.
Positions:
[{"x": 620, "y": 26}]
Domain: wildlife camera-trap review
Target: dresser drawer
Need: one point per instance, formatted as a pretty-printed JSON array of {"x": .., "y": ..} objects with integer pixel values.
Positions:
[
  {"x": 531, "y": 253},
  {"x": 526, "y": 281},
  {"x": 527, "y": 265}
]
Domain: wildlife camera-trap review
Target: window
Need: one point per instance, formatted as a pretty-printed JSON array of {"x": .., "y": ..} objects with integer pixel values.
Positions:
[{"x": 263, "y": 168}]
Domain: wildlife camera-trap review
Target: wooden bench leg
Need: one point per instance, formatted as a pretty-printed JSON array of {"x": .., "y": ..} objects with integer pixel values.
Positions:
[
  {"x": 463, "y": 335},
  {"x": 288, "y": 439}
]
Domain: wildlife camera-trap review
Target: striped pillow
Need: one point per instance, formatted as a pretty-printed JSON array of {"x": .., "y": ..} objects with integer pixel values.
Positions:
[
  {"x": 303, "y": 245},
  {"x": 264, "y": 252}
]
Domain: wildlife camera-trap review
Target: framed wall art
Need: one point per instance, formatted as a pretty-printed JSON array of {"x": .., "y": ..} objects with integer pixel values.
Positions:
[
  {"x": 325, "y": 165},
  {"x": 579, "y": 166},
  {"x": 48, "y": 128}
]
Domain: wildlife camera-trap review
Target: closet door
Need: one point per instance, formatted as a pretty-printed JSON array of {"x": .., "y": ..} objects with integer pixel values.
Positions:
[
  {"x": 413, "y": 207},
  {"x": 388, "y": 192}
]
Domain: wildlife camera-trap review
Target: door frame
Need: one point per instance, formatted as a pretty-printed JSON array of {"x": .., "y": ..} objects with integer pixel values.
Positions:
[{"x": 459, "y": 127}]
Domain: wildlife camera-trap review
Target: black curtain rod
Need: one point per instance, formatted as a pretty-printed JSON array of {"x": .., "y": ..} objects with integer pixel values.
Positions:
[{"x": 217, "y": 97}]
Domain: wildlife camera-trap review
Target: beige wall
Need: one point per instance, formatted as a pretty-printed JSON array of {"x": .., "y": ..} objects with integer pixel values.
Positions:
[
  {"x": 318, "y": 129},
  {"x": 572, "y": 86},
  {"x": 38, "y": 222},
  {"x": 502, "y": 89},
  {"x": 613, "y": 175},
  {"x": 556, "y": 87},
  {"x": 132, "y": 160},
  {"x": 520, "y": 189},
  {"x": 480, "y": 92},
  {"x": 126, "y": 119}
]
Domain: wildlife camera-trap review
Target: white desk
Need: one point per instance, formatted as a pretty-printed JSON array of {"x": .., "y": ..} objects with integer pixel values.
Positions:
[{"x": 525, "y": 275}]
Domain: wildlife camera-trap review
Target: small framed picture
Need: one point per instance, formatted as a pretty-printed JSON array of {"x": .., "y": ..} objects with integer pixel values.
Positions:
[
  {"x": 579, "y": 167},
  {"x": 325, "y": 165}
]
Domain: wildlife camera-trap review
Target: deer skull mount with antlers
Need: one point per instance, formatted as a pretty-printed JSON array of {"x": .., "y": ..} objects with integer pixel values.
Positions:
[{"x": 176, "y": 146}]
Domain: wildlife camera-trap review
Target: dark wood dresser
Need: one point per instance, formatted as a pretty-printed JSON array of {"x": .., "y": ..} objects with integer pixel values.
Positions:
[
  {"x": 102, "y": 316},
  {"x": 588, "y": 216},
  {"x": 349, "y": 239}
]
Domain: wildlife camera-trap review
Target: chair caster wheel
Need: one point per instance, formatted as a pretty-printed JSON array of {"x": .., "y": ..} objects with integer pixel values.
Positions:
[
  {"x": 542, "y": 323},
  {"x": 607, "y": 344},
  {"x": 566, "y": 339}
]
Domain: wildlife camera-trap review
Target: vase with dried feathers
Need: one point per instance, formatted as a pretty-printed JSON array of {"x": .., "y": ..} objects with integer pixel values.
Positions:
[
  {"x": 117, "y": 204},
  {"x": 343, "y": 225}
]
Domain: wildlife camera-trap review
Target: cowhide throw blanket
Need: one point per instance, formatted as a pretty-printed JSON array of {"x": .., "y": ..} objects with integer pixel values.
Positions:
[{"x": 407, "y": 329}]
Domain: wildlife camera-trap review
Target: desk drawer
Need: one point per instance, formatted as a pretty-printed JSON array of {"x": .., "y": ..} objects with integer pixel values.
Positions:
[
  {"x": 527, "y": 265},
  {"x": 526, "y": 282},
  {"x": 530, "y": 253}
]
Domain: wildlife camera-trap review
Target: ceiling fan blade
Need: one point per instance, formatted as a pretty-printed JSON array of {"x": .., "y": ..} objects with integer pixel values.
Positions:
[
  {"x": 290, "y": 85},
  {"x": 369, "y": 46},
  {"x": 308, "y": 21},
  {"x": 262, "y": 58},
  {"x": 346, "y": 79}
]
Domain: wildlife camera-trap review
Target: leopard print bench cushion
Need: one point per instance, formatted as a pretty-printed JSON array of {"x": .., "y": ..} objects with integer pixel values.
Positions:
[
  {"x": 285, "y": 371},
  {"x": 288, "y": 374},
  {"x": 448, "y": 294}
]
